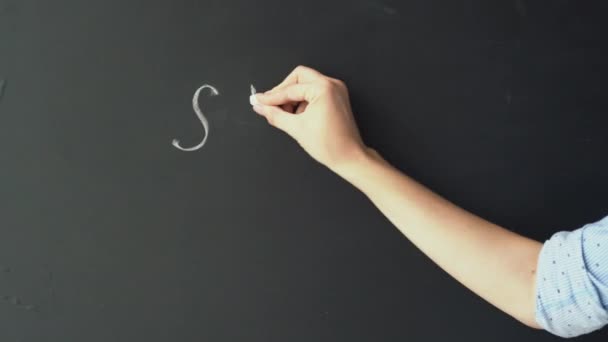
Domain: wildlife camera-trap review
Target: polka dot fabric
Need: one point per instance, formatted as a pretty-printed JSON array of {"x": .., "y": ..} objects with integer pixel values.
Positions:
[{"x": 572, "y": 281}]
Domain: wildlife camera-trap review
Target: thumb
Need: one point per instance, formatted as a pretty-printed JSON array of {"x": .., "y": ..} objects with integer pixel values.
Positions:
[
  {"x": 292, "y": 93},
  {"x": 276, "y": 117}
]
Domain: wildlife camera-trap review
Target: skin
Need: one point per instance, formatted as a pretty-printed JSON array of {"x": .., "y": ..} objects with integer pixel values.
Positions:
[{"x": 493, "y": 262}]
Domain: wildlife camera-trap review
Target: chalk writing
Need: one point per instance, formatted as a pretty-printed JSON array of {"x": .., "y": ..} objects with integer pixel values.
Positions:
[{"x": 201, "y": 117}]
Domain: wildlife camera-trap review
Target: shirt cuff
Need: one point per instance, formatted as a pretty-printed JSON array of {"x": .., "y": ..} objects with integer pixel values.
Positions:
[{"x": 567, "y": 301}]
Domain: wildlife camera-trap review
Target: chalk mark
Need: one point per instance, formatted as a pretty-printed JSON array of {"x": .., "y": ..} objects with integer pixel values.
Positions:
[
  {"x": 2, "y": 87},
  {"x": 16, "y": 302},
  {"x": 201, "y": 117}
]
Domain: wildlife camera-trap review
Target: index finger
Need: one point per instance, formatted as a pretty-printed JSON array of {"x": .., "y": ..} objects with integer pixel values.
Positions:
[
  {"x": 291, "y": 93},
  {"x": 301, "y": 74}
]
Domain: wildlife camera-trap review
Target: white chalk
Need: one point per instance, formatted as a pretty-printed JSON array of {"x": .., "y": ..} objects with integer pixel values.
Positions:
[
  {"x": 200, "y": 116},
  {"x": 252, "y": 99}
]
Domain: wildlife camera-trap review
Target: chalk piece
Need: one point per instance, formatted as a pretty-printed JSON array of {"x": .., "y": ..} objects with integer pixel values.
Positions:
[{"x": 252, "y": 99}]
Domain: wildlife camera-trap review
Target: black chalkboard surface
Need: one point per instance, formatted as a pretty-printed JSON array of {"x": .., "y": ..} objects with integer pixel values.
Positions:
[{"x": 109, "y": 233}]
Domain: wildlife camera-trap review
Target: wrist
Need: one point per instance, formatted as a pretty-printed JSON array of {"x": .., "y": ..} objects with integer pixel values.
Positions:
[{"x": 359, "y": 160}]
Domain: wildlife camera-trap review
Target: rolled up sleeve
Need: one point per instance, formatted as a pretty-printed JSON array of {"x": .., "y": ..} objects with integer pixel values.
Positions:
[{"x": 572, "y": 281}]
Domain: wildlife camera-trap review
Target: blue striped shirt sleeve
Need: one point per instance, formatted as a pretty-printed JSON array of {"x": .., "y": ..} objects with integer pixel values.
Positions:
[{"x": 572, "y": 281}]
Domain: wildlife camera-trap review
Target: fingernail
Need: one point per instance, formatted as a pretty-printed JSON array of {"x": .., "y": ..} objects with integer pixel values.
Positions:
[{"x": 253, "y": 100}]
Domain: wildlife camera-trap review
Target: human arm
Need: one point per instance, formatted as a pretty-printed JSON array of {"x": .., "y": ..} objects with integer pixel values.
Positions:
[{"x": 495, "y": 263}]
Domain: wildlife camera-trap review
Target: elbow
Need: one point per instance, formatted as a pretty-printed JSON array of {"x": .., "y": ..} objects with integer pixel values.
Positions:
[
  {"x": 530, "y": 322},
  {"x": 525, "y": 312},
  {"x": 527, "y": 317}
]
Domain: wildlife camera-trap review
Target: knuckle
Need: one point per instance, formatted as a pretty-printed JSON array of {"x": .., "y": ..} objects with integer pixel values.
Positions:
[
  {"x": 325, "y": 85},
  {"x": 339, "y": 83}
]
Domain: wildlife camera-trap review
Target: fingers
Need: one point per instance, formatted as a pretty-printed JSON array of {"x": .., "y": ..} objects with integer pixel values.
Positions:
[
  {"x": 300, "y": 74},
  {"x": 301, "y": 108},
  {"x": 276, "y": 117},
  {"x": 291, "y": 93}
]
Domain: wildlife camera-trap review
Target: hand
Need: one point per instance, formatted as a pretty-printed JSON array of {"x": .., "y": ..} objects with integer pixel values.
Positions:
[{"x": 314, "y": 110}]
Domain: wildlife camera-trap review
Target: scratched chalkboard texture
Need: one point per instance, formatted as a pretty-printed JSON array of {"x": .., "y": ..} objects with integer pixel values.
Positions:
[{"x": 109, "y": 233}]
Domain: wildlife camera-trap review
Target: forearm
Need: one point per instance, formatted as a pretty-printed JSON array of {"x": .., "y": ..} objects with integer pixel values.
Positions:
[{"x": 495, "y": 263}]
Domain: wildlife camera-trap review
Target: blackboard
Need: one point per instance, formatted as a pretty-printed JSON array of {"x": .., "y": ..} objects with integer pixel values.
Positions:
[{"x": 108, "y": 233}]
